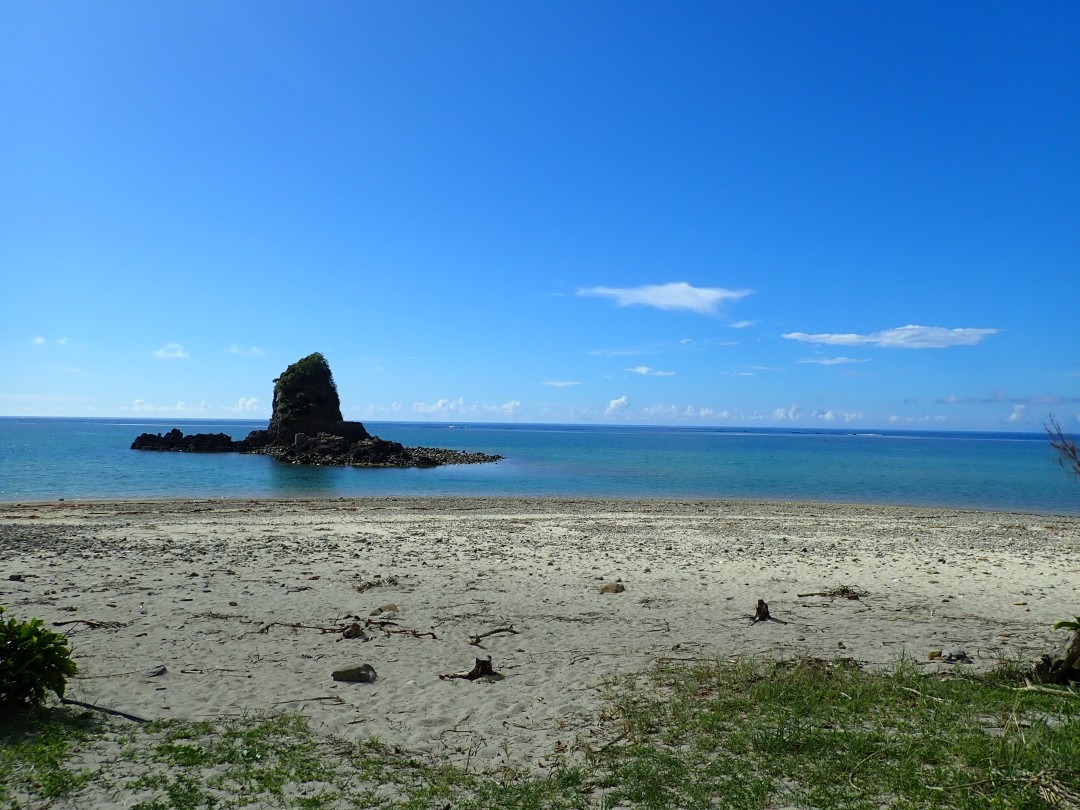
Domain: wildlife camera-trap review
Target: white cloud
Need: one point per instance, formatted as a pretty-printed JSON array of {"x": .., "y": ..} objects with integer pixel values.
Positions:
[
  {"x": 673, "y": 296},
  {"x": 243, "y": 405},
  {"x": 1018, "y": 413},
  {"x": 63, "y": 342},
  {"x": 617, "y": 406},
  {"x": 459, "y": 407},
  {"x": 844, "y": 416},
  {"x": 251, "y": 351},
  {"x": 645, "y": 371},
  {"x": 903, "y": 337},
  {"x": 924, "y": 419},
  {"x": 375, "y": 411},
  {"x": 791, "y": 414},
  {"x": 443, "y": 406},
  {"x": 619, "y": 352},
  {"x": 832, "y": 361},
  {"x": 171, "y": 351},
  {"x": 561, "y": 383},
  {"x": 742, "y": 324},
  {"x": 142, "y": 406}
]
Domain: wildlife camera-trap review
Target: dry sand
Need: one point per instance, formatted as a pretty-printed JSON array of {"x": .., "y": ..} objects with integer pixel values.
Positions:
[{"x": 229, "y": 597}]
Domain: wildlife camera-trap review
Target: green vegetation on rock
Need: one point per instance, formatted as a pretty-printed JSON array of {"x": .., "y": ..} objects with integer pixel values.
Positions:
[{"x": 305, "y": 399}]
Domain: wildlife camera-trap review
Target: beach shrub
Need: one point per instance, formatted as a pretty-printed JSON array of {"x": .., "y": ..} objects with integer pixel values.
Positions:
[{"x": 34, "y": 660}]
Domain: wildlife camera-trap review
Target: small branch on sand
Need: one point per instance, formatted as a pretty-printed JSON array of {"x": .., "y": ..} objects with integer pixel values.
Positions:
[
  {"x": 335, "y": 698},
  {"x": 298, "y": 626},
  {"x": 408, "y": 631},
  {"x": 1030, "y": 687},
  {"x": 352, "y": 629},
  {"x": 91, "y": 623},
  {"x": 844, "y": 591},
  {"x": 118, "y": 713},
  {"x": 475, "y": 640}
]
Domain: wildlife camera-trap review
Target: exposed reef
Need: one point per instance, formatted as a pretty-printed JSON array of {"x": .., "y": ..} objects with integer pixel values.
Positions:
[{"x": 306, "y": 428}]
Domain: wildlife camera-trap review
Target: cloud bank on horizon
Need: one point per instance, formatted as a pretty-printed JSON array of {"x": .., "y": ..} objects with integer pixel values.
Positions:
[{"x": 703, "y": 213}]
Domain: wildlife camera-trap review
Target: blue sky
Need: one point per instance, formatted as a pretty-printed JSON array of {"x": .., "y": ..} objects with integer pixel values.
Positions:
[{"x": 711, "y": 213}]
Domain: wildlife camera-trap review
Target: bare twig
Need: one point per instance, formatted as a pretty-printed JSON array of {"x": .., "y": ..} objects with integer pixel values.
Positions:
[
  {"x": 91, "y": 623},
  {"x": 1030, "y": 687},
  {"x": 104, "y": 709},
  {"x": 844, "y": 591},
  {"x": 475, "y": 640}
]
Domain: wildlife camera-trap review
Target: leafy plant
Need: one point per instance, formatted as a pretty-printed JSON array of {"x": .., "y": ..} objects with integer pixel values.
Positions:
[
  {"x": 1067, "y": 625},
  {"x": 33, "y": 661}
]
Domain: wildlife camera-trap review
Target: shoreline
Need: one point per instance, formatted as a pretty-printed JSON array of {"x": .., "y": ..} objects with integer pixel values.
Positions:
[
  {"x": 516, "y": 499},
  {"x": 233, "y": 597}
]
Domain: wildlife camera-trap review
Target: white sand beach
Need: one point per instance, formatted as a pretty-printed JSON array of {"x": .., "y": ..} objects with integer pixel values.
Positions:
[{"x": 243, "y": 602}]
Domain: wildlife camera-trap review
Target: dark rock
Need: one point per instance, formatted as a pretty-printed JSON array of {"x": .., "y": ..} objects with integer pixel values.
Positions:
[
  {"x": 364, "y": 673},
  {"x": 306, "y": 428},
  {"x": 175, "y": 441}
]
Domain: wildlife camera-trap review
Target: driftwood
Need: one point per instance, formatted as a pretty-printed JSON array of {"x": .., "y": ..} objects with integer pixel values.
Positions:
[
  {"x": 353, "y": 629},
  {"x": 761, "y": 614},
  {"x": 844, "y": 591},
  {"x": 475, "y": 640},
  {"x": 1062, "y": 665},
  {"x": 482, "y": 669}
]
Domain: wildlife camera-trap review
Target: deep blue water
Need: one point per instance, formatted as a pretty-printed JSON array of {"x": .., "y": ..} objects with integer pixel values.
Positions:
[{"x": 46, "y": 459}]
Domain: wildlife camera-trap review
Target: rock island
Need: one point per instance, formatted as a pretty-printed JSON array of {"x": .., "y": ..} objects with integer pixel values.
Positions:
[{"x": 306, "y": 427}]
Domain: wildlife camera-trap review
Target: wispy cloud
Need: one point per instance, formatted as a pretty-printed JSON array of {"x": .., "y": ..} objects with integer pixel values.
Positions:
[
  {"x": 561, "y": 383},
  {"x": 244, "y": 405},
  {"x": 742, "y": 324},
  {"x": 903, "y": 337},
  {"x": 142, "y": 406},
  {"x": 620, "y": 352},
  {"x": 63, "y": 342},
  {"x": 792, "y": 414},
  {"x": 617, "y": 406},
  {"x": 832, "y": 361},
  {"x": 843, "y": 416},
  {"x": 444, "y": 406},
  {"x": 171, "y": 351},
  {"x": 251, "y": 351},
  {"x": 459, "y": 407},
  {"x": 999, "y": 397},
  {"x": 645, "y": 371},
  {"x": 671, "y": 297}
]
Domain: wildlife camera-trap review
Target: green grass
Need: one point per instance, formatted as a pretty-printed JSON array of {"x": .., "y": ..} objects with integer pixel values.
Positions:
[
  {"x": 829, "y": 735},
  {"x": 749, "y": 734},
  {"x": 36, "y": 750}
]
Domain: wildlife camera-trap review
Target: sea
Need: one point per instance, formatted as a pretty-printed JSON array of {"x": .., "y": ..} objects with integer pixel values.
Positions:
[{"x": 48, "y": 459}]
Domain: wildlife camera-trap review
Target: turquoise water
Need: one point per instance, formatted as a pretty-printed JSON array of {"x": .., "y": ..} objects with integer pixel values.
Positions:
[{"x": 47, "y": 459}]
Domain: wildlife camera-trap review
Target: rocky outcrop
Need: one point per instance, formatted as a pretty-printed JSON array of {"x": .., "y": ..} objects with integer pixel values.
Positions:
[
  {"x": 306, "y": 428},
  {"x": 176, "y": 442}
]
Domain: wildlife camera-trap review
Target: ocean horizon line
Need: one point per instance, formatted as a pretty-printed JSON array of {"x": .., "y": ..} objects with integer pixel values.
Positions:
[{"x": 749, "y": 429}]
